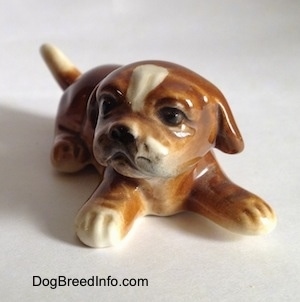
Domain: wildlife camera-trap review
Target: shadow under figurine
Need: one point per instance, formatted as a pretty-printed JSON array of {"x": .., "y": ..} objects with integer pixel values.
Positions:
[{"x": 149, "y": 129}]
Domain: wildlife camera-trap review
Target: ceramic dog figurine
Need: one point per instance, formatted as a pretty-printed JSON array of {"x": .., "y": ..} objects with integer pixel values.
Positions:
[{"x": 149, "y": 129}]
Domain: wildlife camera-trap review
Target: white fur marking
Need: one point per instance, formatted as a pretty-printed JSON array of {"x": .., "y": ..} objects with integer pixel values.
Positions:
[
  {"x": 156, "y": 146},
  {"x": 134, "y": 130},
  {"x": 144, "y": 79}
]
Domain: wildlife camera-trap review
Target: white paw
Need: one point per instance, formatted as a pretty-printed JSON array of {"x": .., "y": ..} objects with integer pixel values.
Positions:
[
  {"x": 99, "y": 226},
  {"x": 257, "y": 218}
]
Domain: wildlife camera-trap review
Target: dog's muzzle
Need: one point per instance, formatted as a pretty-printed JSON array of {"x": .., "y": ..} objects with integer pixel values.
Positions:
[
  {"x": 121, "y": 134},
  {"x": 121, "y": 147}
]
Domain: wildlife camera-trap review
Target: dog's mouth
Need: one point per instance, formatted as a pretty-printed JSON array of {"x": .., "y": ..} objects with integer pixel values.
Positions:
[
  {"x": 144, "y": 163},
  {"x": 139, "y": 166},
  {"x": 120, "y": 158},
  {"x": 132, "y": 161}
]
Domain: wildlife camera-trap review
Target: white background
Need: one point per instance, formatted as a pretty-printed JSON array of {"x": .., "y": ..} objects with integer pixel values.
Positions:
[{"x": 250, "y": 50}]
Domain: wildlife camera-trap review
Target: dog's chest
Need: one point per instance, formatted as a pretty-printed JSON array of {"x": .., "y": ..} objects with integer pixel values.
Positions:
[{"x": 165, "y": 197}]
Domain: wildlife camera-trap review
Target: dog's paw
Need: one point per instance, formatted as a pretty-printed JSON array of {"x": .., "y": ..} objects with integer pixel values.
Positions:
[
  {"x": 255, "y": 217},
  {"x": 69, "y": 154},
  {"x": 99, "y": 226}
]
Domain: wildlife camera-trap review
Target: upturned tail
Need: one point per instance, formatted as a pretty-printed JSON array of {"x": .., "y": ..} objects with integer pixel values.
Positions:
[{"x": 63, "y": 70}]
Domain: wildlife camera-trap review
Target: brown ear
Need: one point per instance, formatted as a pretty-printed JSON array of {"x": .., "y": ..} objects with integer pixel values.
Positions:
[
  {"x": 229, "y": 139},
  {"x": 92, "y": 109}
]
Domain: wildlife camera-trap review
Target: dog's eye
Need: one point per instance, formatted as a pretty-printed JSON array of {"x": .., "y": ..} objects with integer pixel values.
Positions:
[
  {"x": 107, "y": 103},
  {"x": 171, "y": 116}
]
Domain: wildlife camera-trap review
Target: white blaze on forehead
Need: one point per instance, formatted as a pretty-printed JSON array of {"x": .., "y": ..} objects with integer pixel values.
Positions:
[
  {"x": 155, "y": 146},
  {"x": 143, "y": 80}
]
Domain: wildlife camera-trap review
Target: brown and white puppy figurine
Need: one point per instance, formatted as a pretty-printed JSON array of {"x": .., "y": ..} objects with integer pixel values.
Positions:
[{"x": 149, "y": 129}]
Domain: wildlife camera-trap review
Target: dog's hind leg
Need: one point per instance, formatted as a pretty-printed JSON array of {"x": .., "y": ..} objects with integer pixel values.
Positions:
[{"x": 69, "y": 153}]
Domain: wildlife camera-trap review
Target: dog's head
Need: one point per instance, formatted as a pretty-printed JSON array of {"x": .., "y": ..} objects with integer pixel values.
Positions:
[{"x": 158, "y": 119}]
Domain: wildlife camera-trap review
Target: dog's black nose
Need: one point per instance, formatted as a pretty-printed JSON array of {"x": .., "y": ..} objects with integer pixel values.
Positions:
[{"x": 121, "y": 134}]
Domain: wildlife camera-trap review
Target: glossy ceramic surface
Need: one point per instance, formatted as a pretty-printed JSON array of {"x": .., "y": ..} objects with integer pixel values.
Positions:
[{"x": 149, "y": 129}]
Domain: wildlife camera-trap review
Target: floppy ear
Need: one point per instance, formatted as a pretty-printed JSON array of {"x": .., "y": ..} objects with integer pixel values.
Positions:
[
  {"x": 229, "y": 139},
  {"x": 92, "y": 109},
  {"x": 91, "y": 118}
]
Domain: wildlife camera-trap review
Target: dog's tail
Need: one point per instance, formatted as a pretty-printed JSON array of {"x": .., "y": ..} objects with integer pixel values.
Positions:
[{"x": 63, "y": 70}]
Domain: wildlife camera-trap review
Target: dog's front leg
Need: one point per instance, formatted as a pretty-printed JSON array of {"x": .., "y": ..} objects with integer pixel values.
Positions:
[
  {"x": 217, "y": 198},
  {"x": 107, "y": 216}
]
